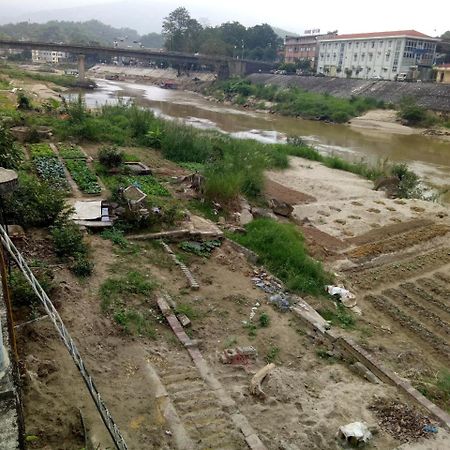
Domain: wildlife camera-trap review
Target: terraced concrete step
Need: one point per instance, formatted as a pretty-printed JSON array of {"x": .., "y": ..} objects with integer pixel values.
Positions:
[
  {"x": 227, "y": 377},
  {"x": 186, "y": 386},
  {"x": 175, "y": 377},
  {"x": 211, "y": 414},
  {"x": 190, "y": 403}
]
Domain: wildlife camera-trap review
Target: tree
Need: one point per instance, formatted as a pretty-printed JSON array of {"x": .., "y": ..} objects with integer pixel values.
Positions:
[
  {"x": 10, "y": 153},
  {"x": 152, "y": 40},
  {"x": 182, "y": 33}
]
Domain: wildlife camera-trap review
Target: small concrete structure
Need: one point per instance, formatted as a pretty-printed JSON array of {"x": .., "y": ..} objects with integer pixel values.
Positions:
[
  {"x": 92, "y": 214},
  {"x": 443, "y": 74}
]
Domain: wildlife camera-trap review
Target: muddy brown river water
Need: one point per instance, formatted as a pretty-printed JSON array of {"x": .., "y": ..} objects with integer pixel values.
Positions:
[{"x": 428, "y": 156}]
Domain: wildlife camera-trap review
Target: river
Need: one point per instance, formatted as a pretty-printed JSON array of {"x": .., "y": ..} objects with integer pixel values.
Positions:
[{"x": 427, "y": 156}]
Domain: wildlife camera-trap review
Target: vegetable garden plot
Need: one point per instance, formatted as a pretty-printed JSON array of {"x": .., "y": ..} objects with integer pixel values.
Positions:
[
  {"x": 48, "y": 167},
  {"x": 83, "y": 176},
  {"x": 69, "y": 151}
]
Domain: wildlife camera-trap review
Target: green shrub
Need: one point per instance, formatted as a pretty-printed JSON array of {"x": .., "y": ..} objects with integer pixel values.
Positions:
[
  {"x": 264, "y": 320},
  {"x": 22, "y": 293},
  {"x": 281, "y": 249},
  {"x": 414, "y": 114},
  {"x": 34, "y": 202},
  {"x": 110, "y": 156},
  {"x": 68, "y": 240},
  {"x": 81, "y": 266},
  {"x": 23, "y": 101},
  {"x": 11, "y": 154},
  {"x": 409, "y": 185}
]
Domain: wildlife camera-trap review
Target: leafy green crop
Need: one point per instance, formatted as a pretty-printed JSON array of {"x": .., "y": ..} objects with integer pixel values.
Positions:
[
  {"x": 69, "y": 151},
  {"x": 83, "y": 176},
  {"x": 51, "y": 170},
  {"x": 41, "y": 150}
]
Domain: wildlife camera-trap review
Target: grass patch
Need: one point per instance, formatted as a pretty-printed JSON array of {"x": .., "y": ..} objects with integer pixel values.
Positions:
[
  {"x": 125, "y": 298},
  {"x": 60, "y": 80},
  {"x": 326, "y": 355},
  {"x": 272, "y": 354},
  {"x": 264, "y": 320},
  {"x": 187, "y": 310},
  {"x": 437, "y": 389},
  {"x": 293, "y": 101},
  {"x": 281, "y": 249},
  {"x": 339, "y": 317}
]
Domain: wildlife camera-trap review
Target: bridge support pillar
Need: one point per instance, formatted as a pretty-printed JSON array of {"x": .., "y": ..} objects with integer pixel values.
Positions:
[{"x": 81, "y": 67}]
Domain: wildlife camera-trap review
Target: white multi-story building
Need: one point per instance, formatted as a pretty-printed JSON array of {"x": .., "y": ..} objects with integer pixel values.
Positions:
[
  {"x": 381, "y": 55},
  {"x": 47, "y": 56}
]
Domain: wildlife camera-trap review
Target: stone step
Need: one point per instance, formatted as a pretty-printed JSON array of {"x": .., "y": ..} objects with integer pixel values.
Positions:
[{"x": 175, "y": 377}]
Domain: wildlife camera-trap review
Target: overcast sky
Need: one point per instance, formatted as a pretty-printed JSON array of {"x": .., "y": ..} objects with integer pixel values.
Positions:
[{"x": 348, "y": 16}]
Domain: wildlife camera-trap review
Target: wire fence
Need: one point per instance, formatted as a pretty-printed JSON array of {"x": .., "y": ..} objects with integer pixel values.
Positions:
[{"x": 65, "y": 336}]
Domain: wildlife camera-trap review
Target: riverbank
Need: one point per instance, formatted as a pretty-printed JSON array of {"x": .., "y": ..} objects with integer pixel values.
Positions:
[
  {"x": 365, "y": 241},
  {"x": 184, "y": 80},
  {"x": 432, "y": 96}
]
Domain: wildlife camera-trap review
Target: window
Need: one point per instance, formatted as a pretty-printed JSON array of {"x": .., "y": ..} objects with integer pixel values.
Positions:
[
  {"x": 355, "y": 56},
  {"x": 373, "y": 44}
]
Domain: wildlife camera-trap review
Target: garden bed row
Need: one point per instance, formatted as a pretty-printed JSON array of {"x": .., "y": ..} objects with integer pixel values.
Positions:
[{"x": 48, "y": 167}]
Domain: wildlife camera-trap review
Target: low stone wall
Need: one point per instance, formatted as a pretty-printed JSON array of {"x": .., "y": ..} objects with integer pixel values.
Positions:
[{"x": 430, "y": 95}]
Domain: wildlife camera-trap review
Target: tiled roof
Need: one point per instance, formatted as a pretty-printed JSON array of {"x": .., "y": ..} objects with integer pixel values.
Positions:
[{"x": 382, "y": 34}]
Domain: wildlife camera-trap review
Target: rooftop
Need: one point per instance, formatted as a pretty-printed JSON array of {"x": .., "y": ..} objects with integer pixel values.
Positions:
[{"x": 385, "y": 34}]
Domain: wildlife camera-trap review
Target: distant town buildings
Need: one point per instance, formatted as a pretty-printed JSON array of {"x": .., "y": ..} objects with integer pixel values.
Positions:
[
  {"x": 304, "y": 47},
  {"x": 443, "y": 73},
  {"x": 384, "y": 55},
  {"x": 48, "y": 56}
]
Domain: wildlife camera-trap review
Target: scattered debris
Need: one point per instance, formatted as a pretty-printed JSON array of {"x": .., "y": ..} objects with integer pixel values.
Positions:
[
  {"x": 355, "y": 434},
  {"x": 269, "y": 284},
  {"x": 238, "y": 355},
  {"x": 258, "y": 378},
  {"x": 344, "y": 295},
  {"x": 401, "y": 421},
  {"x": 184, "y": 320}
]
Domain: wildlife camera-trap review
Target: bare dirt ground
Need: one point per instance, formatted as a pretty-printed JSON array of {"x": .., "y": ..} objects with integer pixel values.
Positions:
[
  {"x": 402, "y": 289},
  {"x": 395, "y": 257},
  {"x": 382, "y": 120},
  {"x": 308, "y": 396}
]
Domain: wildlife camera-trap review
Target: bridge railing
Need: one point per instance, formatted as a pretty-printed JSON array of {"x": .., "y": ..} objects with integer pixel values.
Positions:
[{"x": 113, "y": 429}]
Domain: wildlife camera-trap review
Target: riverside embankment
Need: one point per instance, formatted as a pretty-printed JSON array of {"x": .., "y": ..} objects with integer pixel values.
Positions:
[
  {"x": 426, "y": 155},
  {"x": 429, "y": 95}
]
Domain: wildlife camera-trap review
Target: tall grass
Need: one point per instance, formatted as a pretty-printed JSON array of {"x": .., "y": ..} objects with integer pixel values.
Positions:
[
  {"x": 231, "y": 166},
  {"x": 281, "y": 249},
  {"x": 293, "y": 101}
]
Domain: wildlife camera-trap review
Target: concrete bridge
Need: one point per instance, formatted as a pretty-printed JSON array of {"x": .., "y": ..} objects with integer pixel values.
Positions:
[{"x": 224, "y": 66}]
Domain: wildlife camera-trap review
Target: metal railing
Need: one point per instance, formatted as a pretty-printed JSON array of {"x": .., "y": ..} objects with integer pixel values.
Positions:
[{"x": 65, "y": 336}]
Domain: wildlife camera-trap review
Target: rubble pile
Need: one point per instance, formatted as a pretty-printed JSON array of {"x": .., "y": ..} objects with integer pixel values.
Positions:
[{"x": 270, "y": 285}]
